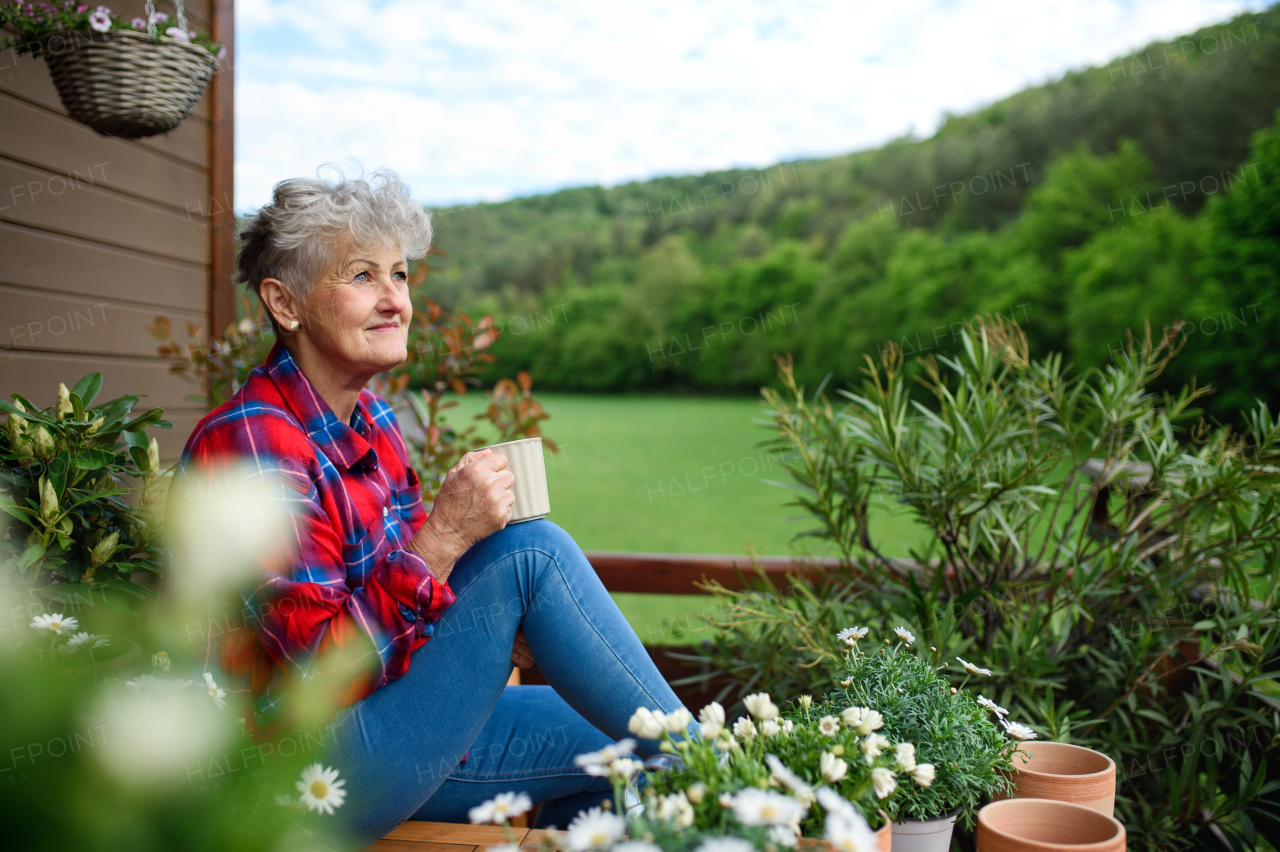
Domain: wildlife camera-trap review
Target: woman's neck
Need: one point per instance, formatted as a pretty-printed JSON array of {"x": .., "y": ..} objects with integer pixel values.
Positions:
[{"x": 338, "y": 388}]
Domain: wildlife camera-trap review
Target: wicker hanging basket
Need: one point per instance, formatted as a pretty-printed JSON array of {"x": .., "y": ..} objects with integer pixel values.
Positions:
[{"x": 124, "y": 83}]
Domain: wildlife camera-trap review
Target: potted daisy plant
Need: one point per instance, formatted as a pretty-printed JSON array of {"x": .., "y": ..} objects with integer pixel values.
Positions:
[{"x": 968, "y": 754}]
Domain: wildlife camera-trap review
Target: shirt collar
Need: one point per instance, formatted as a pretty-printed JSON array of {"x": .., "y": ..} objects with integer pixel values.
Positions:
[{"x": 344, "y": 445}]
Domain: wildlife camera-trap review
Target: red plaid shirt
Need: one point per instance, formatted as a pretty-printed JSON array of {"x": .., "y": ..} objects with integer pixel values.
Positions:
[{"x": 348, "y": 579}]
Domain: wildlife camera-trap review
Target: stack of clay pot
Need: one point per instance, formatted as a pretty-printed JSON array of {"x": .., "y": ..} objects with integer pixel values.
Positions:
[{"x": 1065, "y": 797}]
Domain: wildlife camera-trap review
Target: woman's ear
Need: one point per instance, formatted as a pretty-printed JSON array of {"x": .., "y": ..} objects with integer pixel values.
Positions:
[{"x": 279, "y": 301}]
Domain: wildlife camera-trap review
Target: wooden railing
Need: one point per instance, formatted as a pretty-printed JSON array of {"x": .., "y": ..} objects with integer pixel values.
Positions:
[{"x": 679, "y": 574}]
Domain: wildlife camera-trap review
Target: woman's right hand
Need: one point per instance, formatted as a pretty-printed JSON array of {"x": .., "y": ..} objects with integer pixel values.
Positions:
[{"x": 473, "y": 503}]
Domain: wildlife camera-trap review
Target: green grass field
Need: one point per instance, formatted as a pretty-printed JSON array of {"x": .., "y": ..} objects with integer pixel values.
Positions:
[{"x": 670, "y": 475}]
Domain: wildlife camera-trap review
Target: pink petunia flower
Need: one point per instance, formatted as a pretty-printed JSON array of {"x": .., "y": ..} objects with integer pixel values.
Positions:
[
  {"x": 138, "y": 24},
  {"x": 177, "y": 34},
  {"x": 159, "y": 17},
  {"x": 100, "y": 21}
]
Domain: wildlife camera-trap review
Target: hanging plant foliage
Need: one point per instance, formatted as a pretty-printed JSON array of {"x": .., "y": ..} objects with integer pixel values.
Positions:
[{"x": 130, "y": 78}]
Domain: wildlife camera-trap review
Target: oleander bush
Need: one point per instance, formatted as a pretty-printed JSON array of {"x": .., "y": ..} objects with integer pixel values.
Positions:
[{"x": 1105, "y": 551}]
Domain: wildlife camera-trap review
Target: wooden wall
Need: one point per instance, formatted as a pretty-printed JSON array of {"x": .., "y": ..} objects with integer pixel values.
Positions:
[{"x": 100, "y": 235}]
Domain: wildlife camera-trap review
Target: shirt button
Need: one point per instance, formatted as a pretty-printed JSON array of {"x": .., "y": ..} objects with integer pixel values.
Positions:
[{"x": 385, "y": 511}]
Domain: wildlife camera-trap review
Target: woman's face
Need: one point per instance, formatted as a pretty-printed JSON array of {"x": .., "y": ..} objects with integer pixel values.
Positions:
[{"x": 357, "y": 315}]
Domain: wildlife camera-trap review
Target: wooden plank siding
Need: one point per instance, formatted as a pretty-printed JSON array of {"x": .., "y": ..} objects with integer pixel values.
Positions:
[{"x": 99, "y": 235}]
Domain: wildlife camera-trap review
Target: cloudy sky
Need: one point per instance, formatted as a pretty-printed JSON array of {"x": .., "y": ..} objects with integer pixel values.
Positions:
[{"x": 482, "y": 101}]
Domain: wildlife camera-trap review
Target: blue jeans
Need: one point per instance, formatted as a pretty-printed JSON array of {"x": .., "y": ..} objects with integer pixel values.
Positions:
[{"x": 400, "y": 748}]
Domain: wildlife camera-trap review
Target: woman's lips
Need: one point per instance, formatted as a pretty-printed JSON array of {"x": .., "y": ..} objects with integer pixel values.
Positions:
[{"x": 385, "y": 327}]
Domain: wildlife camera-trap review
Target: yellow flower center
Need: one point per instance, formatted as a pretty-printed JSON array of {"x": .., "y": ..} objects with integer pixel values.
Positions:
[
  {"x": 56, "y": 625},
  {"x": 599, "y": 839},
  {"x": 319, "y": 789}
]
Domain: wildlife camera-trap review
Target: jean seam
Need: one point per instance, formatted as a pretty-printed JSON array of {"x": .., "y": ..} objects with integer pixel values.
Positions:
[
  {"x": 559, "y": 570},
  {"x": 643, "y": 688}
]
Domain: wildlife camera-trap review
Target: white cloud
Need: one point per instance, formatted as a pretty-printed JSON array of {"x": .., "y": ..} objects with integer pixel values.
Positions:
[{"x": 483, "y": 101}]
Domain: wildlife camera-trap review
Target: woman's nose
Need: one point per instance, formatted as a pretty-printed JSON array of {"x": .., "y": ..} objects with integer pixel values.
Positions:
[{"x": 395, "y": 298}]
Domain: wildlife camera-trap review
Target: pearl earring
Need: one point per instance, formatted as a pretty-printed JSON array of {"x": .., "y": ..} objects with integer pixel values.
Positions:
[{"x": 293, "y": 326}]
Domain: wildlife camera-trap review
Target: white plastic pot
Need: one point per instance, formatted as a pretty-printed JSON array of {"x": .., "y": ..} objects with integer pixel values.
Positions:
[{"x": 924, "y": 835}]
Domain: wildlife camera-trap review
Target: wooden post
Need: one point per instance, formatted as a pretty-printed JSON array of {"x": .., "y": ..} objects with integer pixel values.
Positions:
[{"x": 222, "y": 301}]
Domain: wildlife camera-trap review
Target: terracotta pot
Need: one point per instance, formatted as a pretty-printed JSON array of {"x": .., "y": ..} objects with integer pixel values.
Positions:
[
  {"x": 924, "y": 835},
  {"x": 1068, "y": 773},
  {"x": 1042, "y": 825}
]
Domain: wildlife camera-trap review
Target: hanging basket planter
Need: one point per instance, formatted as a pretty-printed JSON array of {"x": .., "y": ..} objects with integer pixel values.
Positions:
[
  {"x": 122, "y": 83},
  {"x": 127, "y": 79}
]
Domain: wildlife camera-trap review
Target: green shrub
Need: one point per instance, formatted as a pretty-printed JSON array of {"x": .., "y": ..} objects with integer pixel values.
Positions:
[
  {"x": 67, "y": 474},
  {"x": 1110, "y": 556}
]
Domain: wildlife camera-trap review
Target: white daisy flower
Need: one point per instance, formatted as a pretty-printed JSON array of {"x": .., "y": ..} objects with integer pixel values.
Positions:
[
  {"x": 501, "y": 808},
  {"x": 873, "y": 745},
  {"x": 608, "y": 754},
  {"x": 725, "y": 844},
  {"x": 847, "y": 682},
  {"x": 160, "y": 660},
  {"x": 904, "y": 634},
  {"x": 761, "y": 706},
  {"x": 83, "y": 641},
  {"x": 972, "y": 669},
  {"x": 850, "y": 635},
  {"x": 834, "y": 803},
  {"x": 829, "y": 725},
  {"x": 711, "y": 730},
  {"x": 636, "y": 846},
  {"x": 904, "y": 754},
  {"x": 216, "y": 694},
  {"x": 753, "y": 806},
  {"x": 884, "y": 782},
  {"x": 100, "y": 20},
  {"x": 788, "y": 779},
  {"x": 992, "y": 706},
  {"x": 788, "y": 726},
  {"x": 864, "y": 719},
  {"x": 923, "y": 774},
  {"x": 783, "y": 836},
  {"x": 744, "y": 728},
  {"x": 832, "y": 768},
  {"x": 850, "y": 833},
  {"x": 647, "y": 724},
  {"x": 1018, "y": 731},
  {"x": 594, "y": 829},
  {"x": 55, "y": 624},
  {"x": 676, "y": 809},
  {"x": 712, "y": 713},
  {"x": 806, "y": 701},
  {"x": 320, "y": 788},
  {"x": 770, "y": 728},
  {"x": 696, "y": 792},
  {"x": 678, "y": 720}
]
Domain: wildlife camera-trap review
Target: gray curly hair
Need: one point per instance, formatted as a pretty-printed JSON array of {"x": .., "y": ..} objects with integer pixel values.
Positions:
[{"x": 293, "y": 238}]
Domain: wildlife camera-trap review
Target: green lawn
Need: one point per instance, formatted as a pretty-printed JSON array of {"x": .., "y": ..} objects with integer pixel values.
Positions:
[{"x": 669, "y": 475}]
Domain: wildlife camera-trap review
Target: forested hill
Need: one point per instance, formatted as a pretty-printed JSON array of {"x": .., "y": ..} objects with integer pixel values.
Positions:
[{"x": 1147, "y": 189}]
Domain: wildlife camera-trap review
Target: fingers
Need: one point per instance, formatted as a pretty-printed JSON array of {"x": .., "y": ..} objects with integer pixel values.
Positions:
[
  {"x": 520, "y": 653},
  {"x": 467, "y": 459}
]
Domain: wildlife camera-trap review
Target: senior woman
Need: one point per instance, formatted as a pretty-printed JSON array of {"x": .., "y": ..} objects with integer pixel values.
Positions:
[{"x": 443, "y": 603}]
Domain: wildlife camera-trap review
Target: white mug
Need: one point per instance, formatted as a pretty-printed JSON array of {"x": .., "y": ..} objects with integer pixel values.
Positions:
[{"x": 525, "y": 461}]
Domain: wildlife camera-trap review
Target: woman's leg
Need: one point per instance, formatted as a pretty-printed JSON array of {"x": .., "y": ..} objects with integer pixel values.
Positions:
[
  {"x": 527, "y": 746},
  {"x": 397, "y": 746}
]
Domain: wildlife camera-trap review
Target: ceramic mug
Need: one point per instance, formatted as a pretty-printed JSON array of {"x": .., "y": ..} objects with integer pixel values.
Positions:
[
  {"x": 1045, "y": 825},
  {"x": 525, "y": 461}
]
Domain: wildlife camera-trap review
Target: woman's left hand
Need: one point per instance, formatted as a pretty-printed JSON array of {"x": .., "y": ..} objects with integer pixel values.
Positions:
[{"x": 520, "y": 653}]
